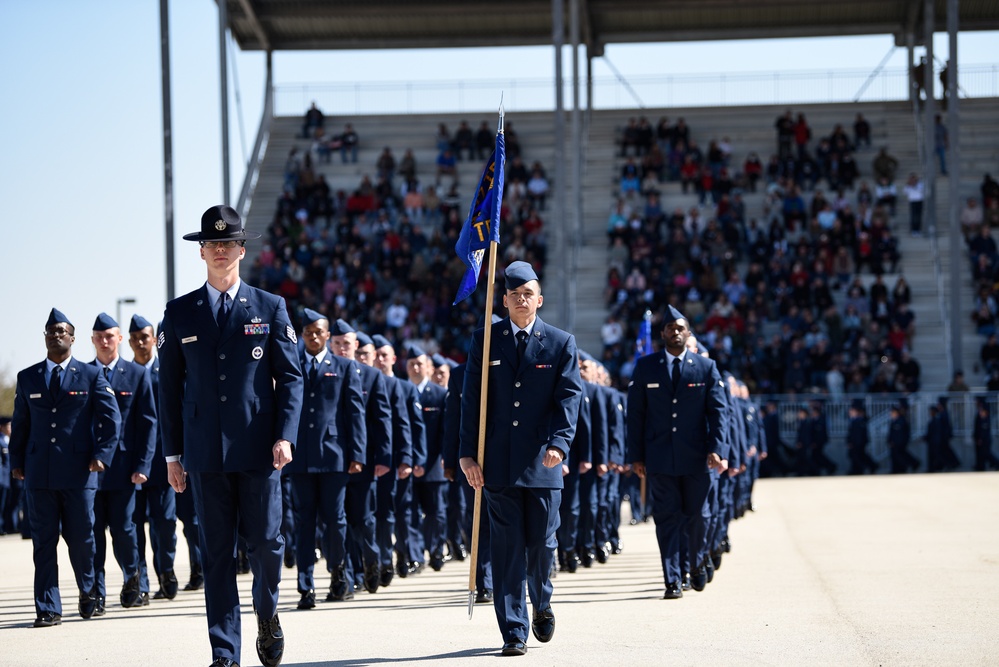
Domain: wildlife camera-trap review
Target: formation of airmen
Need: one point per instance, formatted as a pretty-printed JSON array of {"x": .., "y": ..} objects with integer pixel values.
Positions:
[{"x": 380, "y": 483}]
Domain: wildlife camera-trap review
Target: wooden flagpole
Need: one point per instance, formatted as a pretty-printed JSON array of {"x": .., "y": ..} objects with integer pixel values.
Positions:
[{"x": 483, "y": 402}]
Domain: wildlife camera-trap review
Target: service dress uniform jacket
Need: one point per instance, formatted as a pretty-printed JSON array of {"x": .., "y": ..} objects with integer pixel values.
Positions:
[
  {"x": 672, "y": 433},
  {"x": 532, "y": 407},
  {"x": 53, "y": 440},
  {"x": 227, "y": 395}
]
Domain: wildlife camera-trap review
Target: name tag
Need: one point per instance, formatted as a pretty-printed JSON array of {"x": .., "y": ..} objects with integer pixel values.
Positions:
[
  {"x": 652, "y": 385},
  {"x": 189, "y": 339},
  {"x": 256, "y": 329},
  {"x": 494, "y": 363},
  {"x": 34, "y": 396}
]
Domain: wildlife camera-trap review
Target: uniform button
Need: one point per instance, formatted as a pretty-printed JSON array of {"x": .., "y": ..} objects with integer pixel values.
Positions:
[
  {"x": 516, "y": 384},
  {"x": 222, "y": 377},
  {"x": 674, "y": 429},
  {"x": 53, "y": 409},
  {"x": 312, "y": 409},
  {"x": 516, "y": 404},
  {"x": 53, "y": 439},
  {"x": 515, "y": 423},
  {"x": 674, "y": 401},
  {"x": 53, "y": 424},
  {"x": 221, "y": 356},
  {"x": 311, "y": 394},
  {"x": 222, "y": 398},
  {"x": 311, "y": 425},
  {"x": 674, "y": 415}
]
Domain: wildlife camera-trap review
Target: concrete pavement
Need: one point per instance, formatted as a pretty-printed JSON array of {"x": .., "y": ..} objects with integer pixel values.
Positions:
[{"x": 887, "y": 570}]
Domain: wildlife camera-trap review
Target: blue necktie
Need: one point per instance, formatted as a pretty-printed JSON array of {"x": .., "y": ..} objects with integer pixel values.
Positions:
[
  {"x": 223, "y": 313},
  {"x": 676, "y": 375},
  {"x": 55, "y": 382}
]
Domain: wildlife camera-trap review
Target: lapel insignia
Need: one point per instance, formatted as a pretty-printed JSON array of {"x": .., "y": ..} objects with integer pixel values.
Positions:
[
  {"x": 200, "y": 301},
  {"x": 242, "y": 299},
  {"x": 256, "y": 320}
]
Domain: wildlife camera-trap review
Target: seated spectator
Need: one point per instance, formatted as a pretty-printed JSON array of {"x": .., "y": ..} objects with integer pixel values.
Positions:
[
  {"x": 989, "y": 353},
  {"x": 313, "y": 122},
  {"x": 886, "y": 194},
  {"x": 485, "y": 141},
  {"x": 537, "y": 189},
  {"x": 447, "y": 166},
  {"x": 752, "y": 169},
  {"x": 884, "y": 166},
  {"x": 630, "y": 183},
  {"x": 861, "y": 131},
  {"x": 989, "y": 190},
  {"x": 443, "y": 138},
  {"x": 983, "y": 244},
  {"x": 386, "y": 165},
  {"x": 971, "y": 218},
  {"x": 348, "y": 144},
  {"x": 407, "y": 166},
  {"x": 464, "y": 140},
  {"x": 958, "y": 384},
  {"x": 689, "y": 173},
  {"x": 629, "y": 137},
  {"x": 985, "y": 321}
]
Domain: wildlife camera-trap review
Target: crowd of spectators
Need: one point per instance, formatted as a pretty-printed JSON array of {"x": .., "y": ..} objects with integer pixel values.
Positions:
[
  {"x": 381, "y": 255},
  {"x": 979, "y": 220},
  {"x": 808, "y": 267}
]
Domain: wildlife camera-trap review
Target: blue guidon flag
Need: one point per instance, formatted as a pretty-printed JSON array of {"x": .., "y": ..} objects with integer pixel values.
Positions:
[
  {"x": 643, "y": 344},
  {"x": 482, "y": 225}
]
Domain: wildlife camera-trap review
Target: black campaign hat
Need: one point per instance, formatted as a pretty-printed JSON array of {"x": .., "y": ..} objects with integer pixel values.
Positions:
[{"x": 221, "y": 223}]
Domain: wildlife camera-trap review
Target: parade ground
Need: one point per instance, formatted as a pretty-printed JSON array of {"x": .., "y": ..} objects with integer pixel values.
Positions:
[{"x": 883, "y": 570}]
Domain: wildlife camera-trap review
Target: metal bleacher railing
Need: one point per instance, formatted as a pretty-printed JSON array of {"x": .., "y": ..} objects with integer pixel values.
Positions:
[{"x": 660, "y": 91}]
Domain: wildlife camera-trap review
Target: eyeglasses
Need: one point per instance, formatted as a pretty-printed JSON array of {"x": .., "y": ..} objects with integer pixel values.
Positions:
[
  {"x": 212, "y": 245},
  {"x": 57, "y": 333}
]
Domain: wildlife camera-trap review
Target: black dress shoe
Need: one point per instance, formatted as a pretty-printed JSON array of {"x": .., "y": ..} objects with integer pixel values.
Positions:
[
  {"x": 100, "y": 610},
  {"x": 415, "y": 567},
  {"x": 159, "y": 595},
  {"x": 308, "y": 600},
  {"x": 224, "y": 662},
  {"x": 459, "y": 553},
  {"x": 169, "y": 584},
  {"x": 709, "y": 570},
  {"x": 484, "y": 596},
  {"x": 47, "y": 619},
  {"x": 88, "y": 605},
  {"x": 699, "y": 579},
  {"x": 514, "y": 648},
  {"x": 289, "y": 558},
  {"x": 685, "y": 581},
  {"x": 242, "y": 563},
  {"x": 571, "y": 561},
  {"x": 144, "y": 600},
  {"x": 130, "y": 595},
  {"x": 437, "y": 562},
  {"x": 603, "y": 553},
  {"x": 371, "y": 578},
  {"x": 340, "y": 589},
  {"x": 617, "y": 548},
  {"x": 386, "y": 576},
  {"x": 543, "y": 625},
  {"x": 716, "y": 558},
  {"x": 586, "y": 558},
  {"x": 726, "y": 546},
  {"x": 270, "y": 641},
  {"x": 197, "y": 579},
  {"x": 402, "y": 568},
  {"x": 673, "y": 591}
]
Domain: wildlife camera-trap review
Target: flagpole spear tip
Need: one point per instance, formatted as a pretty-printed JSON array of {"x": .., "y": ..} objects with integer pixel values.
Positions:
[{"x": 502, "y": 113}]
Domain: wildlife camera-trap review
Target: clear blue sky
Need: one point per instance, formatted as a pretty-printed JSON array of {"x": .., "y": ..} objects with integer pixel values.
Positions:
[{"x": 81, "y": 188}]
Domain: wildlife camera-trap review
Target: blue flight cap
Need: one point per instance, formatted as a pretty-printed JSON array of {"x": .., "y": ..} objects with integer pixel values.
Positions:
[
  {"x": 55, "y": 315},
  {"x": 364, "y": 339},
  {"x": 104, "y": 322},
  {"x": 138, "y": 323},
  {"x": 519, "y": 273},
  {"x": 341, "y": 328},
  {"x": 672, "y": 315},
  {"x": 381, "y": 341},
  {"x": 312, "y": 316},
  {"x": 438, "y": 360},
  {"x": 585, "y": 356},
  {"x": 413, "y": 351}
]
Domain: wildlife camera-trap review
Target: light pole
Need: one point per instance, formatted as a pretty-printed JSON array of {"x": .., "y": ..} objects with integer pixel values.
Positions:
[{"x": 123, "y": 299}]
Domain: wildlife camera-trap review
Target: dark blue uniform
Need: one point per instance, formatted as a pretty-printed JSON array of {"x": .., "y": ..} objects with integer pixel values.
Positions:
[
  {"x": 532, "y": 407},
  {"x": 114, "y": 503},
  {"x": 53, "y": 440},
  {"x": 673, "y": 433},
  {"x": 402, "y": 455},
  {"x": 430, "y": 490},
  {"x": 331, "y": 434},
  {"x": 226, "y": 397},
  {"x": 899, "y": 435}
]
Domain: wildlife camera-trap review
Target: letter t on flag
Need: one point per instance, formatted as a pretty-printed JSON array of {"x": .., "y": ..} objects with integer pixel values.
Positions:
[{"x": 482, "y": 225}]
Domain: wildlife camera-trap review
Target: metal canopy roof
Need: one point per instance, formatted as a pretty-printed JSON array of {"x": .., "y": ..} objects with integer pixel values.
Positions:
[{"x": 293, "y": 25}]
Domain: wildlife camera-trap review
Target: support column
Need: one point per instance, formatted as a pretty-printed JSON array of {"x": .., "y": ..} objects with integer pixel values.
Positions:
[
  {"x": 577, "y": 167},
  {"x": 560, "y": 291},
  {"x": 957, "y": 265},
  {"x": 167, "y": 146},
  {"x": 224, "y": 93},
  {"x": 929, "y": 110}
]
